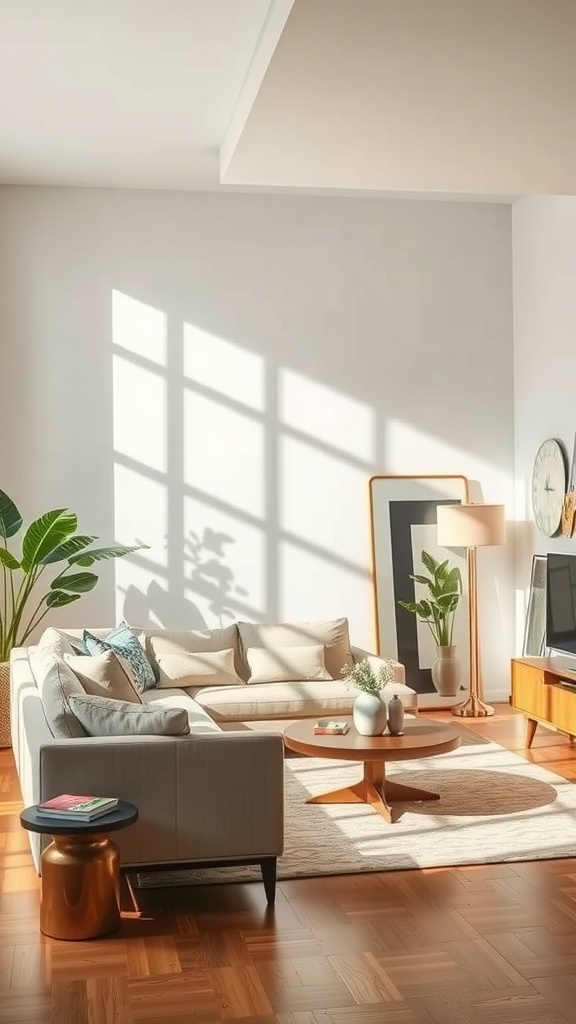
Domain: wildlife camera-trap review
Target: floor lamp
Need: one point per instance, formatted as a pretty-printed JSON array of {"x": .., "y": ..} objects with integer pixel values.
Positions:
[{"x": 471, "y": 527}]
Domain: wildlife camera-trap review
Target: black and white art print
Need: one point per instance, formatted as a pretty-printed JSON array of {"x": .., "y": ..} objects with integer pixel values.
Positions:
[{"x": 403, "y": 523}]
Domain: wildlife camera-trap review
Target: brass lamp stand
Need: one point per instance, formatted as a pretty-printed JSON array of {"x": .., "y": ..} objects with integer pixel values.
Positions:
[{"x": 470, "y": 527}]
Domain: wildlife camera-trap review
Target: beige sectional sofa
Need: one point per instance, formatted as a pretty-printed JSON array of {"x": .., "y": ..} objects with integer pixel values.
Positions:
[{"x": 212, "y": 795}]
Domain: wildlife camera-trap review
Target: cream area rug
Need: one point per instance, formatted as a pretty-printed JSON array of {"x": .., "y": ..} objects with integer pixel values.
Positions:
[{"x": 494, "y": 806}]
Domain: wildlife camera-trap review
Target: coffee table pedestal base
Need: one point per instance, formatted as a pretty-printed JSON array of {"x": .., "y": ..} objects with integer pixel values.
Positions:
[
  {"x": 376, "y": 790},
  {"x": 80, "y": 887}
]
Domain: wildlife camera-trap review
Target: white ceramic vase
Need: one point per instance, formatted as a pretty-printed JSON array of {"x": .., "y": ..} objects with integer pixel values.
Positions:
[
  {"x": 369, "y": 714},
  {"x": 446, "y": 672}
]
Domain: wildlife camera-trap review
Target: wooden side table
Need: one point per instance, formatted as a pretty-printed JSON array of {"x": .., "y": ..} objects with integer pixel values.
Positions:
[{"x": 80, "y": 872}]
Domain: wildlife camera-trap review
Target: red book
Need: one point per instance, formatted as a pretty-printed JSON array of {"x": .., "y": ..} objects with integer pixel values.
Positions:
[{"x": 82, "y": 808}]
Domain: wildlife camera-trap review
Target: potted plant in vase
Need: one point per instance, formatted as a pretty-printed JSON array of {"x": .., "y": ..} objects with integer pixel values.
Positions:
[
  {"x": 47, "y": 541},
  {"x": 438, "y": 611},
  {"x": 369, "y": 712}
]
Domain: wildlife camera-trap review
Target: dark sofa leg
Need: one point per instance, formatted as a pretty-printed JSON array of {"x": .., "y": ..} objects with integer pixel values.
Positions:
[{"x": 268, "y": 869}]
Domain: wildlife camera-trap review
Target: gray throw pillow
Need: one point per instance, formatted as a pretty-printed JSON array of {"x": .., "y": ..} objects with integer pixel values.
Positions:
[
  {"x": 104, "y": 716},
  {"x": 56, "y": 683}
]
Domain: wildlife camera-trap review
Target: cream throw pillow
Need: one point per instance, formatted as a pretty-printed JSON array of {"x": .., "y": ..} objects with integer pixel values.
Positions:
[
  {"x": 333, "y": 635},
  {"x": 285, "y": 664},
  {"x": 163, "y": 642},
  {"x": 204, "y": 668},
  {"x": 104, "y": 716},
  {"x": 56, "y": 642},
  {"x": 105, "y": 675}
]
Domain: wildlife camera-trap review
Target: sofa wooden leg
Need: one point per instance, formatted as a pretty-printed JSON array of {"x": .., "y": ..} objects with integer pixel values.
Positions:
[{"x": 268, "y": 869}]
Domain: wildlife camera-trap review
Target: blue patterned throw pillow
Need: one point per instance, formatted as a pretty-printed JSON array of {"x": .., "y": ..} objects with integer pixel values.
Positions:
[{"x": 122, "y": 641}]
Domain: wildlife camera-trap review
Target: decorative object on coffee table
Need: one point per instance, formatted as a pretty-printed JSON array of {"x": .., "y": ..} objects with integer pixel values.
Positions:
[
  {"x": 421, "y": 738},
  {"x": 369, "y": 711},
  {"x": 80, "y": 896},
  {"x": 437, "y": 610},
  {"x": 472, "y": 526},
  {"x": 395, "y": 716}
]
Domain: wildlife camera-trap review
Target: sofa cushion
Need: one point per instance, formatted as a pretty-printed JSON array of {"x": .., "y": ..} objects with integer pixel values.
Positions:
[
  {"x": 56, "y": 683},
  {"x": 195, "y": 657},
  {"x": 105, "y": 675},
  {"x": 298, "y": 699},
  {"x": 199, "y": 720},
  {"x": 333, "y": 636},
  {"x": 285, "y": 664},
  {"x": 122, "y": 641},
  {"x": 104, "y": 716}
]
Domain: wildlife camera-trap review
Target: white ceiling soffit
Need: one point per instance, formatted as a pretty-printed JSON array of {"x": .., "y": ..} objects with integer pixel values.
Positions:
[
  {"x": 121, "y": 93},
  {"x": 474, "y": 96}
]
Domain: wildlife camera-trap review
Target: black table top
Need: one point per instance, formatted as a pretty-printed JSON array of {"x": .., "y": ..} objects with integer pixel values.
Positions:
[{"x": 55, "y": 825}]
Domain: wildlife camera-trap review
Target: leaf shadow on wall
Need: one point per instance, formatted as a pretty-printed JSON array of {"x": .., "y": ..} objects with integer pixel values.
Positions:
[{"x": 208, "y": 575}]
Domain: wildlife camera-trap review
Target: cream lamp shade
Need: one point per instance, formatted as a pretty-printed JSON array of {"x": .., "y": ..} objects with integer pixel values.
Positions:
[{"x": 471, "y": 526}]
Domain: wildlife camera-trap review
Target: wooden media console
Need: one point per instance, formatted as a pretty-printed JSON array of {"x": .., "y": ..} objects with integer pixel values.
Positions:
[{"x": 544, "y": 690}]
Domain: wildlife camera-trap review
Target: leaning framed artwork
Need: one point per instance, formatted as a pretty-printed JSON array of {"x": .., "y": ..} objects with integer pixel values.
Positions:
[
  {"x": 403, "y": 512},
  {"x": 534, "y": 645}
]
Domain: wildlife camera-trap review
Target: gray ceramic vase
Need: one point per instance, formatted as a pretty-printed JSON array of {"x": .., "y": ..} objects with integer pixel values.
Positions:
[{"x": 395, "y": 716}]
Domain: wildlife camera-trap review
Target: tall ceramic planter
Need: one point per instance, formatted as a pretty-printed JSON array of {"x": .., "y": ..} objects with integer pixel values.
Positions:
[
  {"x": 369, "y": 714},
  {"x": 4, "y": 704},
  {"x": 446, "y": 672}
]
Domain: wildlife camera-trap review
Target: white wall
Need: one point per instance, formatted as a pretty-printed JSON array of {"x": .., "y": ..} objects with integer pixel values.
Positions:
[
  {"x": 219, "y": 375},
  {"x": 544, "y": 276}
]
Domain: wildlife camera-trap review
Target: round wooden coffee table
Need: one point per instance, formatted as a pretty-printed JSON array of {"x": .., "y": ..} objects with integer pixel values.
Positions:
[{"x": 420, "y": 739}]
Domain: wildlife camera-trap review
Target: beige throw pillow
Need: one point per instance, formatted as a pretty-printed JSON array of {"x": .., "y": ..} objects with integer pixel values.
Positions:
[
  {"x": 333, "y": 636},
  {"x": 285, "y": 664},
  {"x": 105, "y": 675},
  {"x": 56, "y": 642},
  {"x": 104, "y": 716},
  {"x": 195, "y": 657},
  {"x": 207, "y": 668}
]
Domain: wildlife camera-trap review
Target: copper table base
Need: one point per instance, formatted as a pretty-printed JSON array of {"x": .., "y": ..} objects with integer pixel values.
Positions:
[
  {"x": 80, "y": 896},
  {"x": 376, "y": 790}
]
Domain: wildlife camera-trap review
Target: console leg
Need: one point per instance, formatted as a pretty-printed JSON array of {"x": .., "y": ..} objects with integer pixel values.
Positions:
[
  {"x": 531, "y": 726},
  {"x": 268, "y": 869}
]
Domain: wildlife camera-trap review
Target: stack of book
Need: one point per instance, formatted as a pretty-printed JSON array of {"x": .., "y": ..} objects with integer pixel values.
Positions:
[
  {"x": 328, "y": 727},
  {"x": 77, "y": 808}
]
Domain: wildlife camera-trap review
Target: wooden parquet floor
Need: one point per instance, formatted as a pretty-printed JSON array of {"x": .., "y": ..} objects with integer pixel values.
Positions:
[{"x": 492, "y": 944}]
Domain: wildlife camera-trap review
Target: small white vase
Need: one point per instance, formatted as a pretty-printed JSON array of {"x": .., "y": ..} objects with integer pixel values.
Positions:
[
  {"x": 446, "y": 672},
  {"x": 369, "y": 714}
]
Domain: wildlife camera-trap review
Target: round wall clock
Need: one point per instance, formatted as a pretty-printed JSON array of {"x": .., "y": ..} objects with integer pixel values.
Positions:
[{"x": 549, "y": 486}]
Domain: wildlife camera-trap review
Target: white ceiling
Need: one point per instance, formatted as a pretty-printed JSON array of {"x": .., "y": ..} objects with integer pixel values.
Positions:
[
  {"x": 121, "y": 93},
  {"x": 467, "y": 98}
]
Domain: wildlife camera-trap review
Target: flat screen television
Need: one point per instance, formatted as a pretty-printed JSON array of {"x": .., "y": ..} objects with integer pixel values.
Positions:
[{"x": 561, "y": 603}]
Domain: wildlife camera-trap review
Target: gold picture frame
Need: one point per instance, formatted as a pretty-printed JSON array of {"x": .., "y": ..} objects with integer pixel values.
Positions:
[{"x": 402, "y": 523}]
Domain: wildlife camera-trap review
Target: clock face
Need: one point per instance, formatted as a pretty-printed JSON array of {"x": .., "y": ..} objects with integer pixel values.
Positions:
[{"x": 548, "y": 486}]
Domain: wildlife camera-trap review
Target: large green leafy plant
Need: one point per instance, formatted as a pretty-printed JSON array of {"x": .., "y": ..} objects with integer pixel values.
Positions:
[
  {"x": 47, "y": 541},
  {"x": 438, "y": 609}
]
